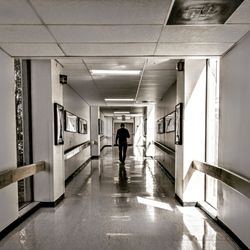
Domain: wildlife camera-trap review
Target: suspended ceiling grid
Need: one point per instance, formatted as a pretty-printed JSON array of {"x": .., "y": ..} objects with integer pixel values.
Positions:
[{"x": 113, "y": 34}]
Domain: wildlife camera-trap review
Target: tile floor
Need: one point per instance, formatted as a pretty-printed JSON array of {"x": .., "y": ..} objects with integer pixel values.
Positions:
[{"x": 114, "y": 206}]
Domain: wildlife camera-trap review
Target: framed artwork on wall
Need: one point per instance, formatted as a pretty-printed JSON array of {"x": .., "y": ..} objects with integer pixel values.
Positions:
[
  {"x": 178, "y": 123},
  {"x": 59, "y": 123},
  {"x": 145, "y": 127},
  {"x": 100, "y": 127},
  {"x": 82, "y": 126},
  {"x": 160, "y": 126},
  {"x": 70, "y": 122},
  {"x": 170, "y": 122}
]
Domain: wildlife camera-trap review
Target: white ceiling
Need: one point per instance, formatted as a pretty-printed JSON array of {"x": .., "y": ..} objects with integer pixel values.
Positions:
[{"x": 113, "y": 34}]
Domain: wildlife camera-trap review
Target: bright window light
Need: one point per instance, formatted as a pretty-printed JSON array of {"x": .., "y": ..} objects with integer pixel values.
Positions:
[
  {"x": 154, "y": 203},
  {"x": 121, "y": 112},
  {"x": 114, "y": 72},
  {"x": 119, "y": 100}
]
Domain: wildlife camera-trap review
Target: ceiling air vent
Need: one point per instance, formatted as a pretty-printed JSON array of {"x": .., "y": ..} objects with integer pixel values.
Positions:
[{"x": 197, "y": 12}]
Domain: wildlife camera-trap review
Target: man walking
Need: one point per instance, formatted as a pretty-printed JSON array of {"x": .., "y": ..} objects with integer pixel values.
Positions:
[{"x": 122, "y": 135}]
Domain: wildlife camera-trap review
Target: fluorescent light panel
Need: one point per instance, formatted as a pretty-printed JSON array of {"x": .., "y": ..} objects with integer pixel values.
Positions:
[
  {"x": 119, "y": 100},
  {"x": 121, "y": 112},
  {"x": 114, "y": 72}
]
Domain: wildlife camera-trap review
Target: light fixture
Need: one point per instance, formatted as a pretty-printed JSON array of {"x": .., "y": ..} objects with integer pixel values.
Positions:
[
  {"x": 119, "y": 99},
  {"x": 121, "y": 112},
  {"x": 114, "y": 72}
]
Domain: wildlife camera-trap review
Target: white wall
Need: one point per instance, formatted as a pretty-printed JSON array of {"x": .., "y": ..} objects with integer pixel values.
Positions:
[
  {"x": 138, "y": 127},
  {"x": 108, "y": 130},
  {"x": 46, "y": 89},
  {"x": 150, "y": 134},
  {"x": 8, "y": 195},
  {"x": 189, "y": 185},
  {"x": 163, "y": 108},
  {"x": 75, "y": 104},
  {"x": 94, "y": 136},
  {"x": 234, "y": 136}
]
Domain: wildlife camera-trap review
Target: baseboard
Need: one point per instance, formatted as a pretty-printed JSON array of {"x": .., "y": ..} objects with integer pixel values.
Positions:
[
  {"x": 77, "y": 171},
  {"x": 169, "y": 175},
  {"x": 53, "y": 203},
  {"x": 231, "y": 234},
  {"x": 18, "y": 221},
  {"x": 234, "y": 237},
  {"x": 94, "y": 157},
  {"x": 185, "y": 204}
]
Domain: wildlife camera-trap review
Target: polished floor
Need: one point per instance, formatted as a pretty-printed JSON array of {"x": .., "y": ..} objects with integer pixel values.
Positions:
[{"x": 114, "y": 206}]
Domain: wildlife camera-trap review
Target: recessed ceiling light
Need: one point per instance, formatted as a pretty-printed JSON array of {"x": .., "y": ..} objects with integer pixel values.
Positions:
[
  {"x": 114, "y": 72},
  {"x": 119, "y": 100},
  {"x": 121, "y": 112}
]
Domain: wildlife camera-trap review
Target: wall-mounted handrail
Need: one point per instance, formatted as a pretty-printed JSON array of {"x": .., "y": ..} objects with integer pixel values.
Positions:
[
  {"x": 235, "y": 181},
  {"x": 164, "y": 148},
  {"x": 75, "y": 150},
  {"x": 8, "y": 177}
]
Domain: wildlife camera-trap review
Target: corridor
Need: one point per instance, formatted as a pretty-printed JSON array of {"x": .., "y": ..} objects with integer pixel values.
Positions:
[{"x": 109, "y": 206}]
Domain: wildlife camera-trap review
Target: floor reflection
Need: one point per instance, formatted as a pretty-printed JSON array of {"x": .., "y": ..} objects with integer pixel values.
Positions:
[{"x": 119, "y": 206}]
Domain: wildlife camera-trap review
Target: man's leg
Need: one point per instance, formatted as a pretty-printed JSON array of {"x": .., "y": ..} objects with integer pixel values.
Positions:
[
  {"x": 120, "y": 152},
  {"x": 124, "y": 152}
]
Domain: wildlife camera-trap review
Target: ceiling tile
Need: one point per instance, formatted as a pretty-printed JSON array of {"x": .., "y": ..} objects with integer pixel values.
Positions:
[
  {"x": 116, "y": 49},
  {"x": 102, "y": 12},
  {"x": 92, "y": 96},
  {"x": 115, "y": 78},
  {"x": 161, "y": 63},
  {"x": 115, "y": 60},
  {"x": 119, "y": 94},
  {"x": 111, "y": 84},
  {"x": 24, "y": 34},
  {"x": 160, "y": 73},
  {"x": 102, "y": 34},
  {"x": 180, "y": 49},
  {"x": 79, "y": 78},
  {"x": 75, "y": 67},
  {"x": 69, "y": 60},
  {"x": 203, "y": 34},
  {"x": 118, "y": 91},
  {"x": 31, "y": 49},
  {"x": 17, "y": 12},
  {"x": 241, "y": 15}
]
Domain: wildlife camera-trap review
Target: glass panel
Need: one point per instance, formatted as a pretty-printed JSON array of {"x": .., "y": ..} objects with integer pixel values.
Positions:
[
  {"x": 212, "y": 127},
  {"x": 25, "y": 187}
]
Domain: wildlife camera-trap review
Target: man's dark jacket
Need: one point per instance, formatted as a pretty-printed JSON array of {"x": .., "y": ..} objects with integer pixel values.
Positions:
[{"x": 122, "y": 135}]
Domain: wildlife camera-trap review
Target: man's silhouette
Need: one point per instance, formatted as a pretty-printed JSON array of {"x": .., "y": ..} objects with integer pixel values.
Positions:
[{"x": 121, "y": 136}]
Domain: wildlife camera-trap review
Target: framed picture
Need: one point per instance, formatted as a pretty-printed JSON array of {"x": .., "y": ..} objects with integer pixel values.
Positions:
[
  {"x": 178, "y": 123},
  {"x": 170, "y": 122},
  {"x": 145, "y": 127},
  {"x": 160, "y": 126},
  {"x": 100, "y": 127},
  {"x": 70, "y": 122},
  {"x": 82, "y": 126},
  {"x": 59, "y": 123}
]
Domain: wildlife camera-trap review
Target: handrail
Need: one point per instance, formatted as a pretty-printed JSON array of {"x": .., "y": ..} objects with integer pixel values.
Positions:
[
  {"x": 8, "y": 177},
  {"x": 164, "y": 148},
  {"x": 235, "y": 181},
  {"x": 75, "y": 150}
]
